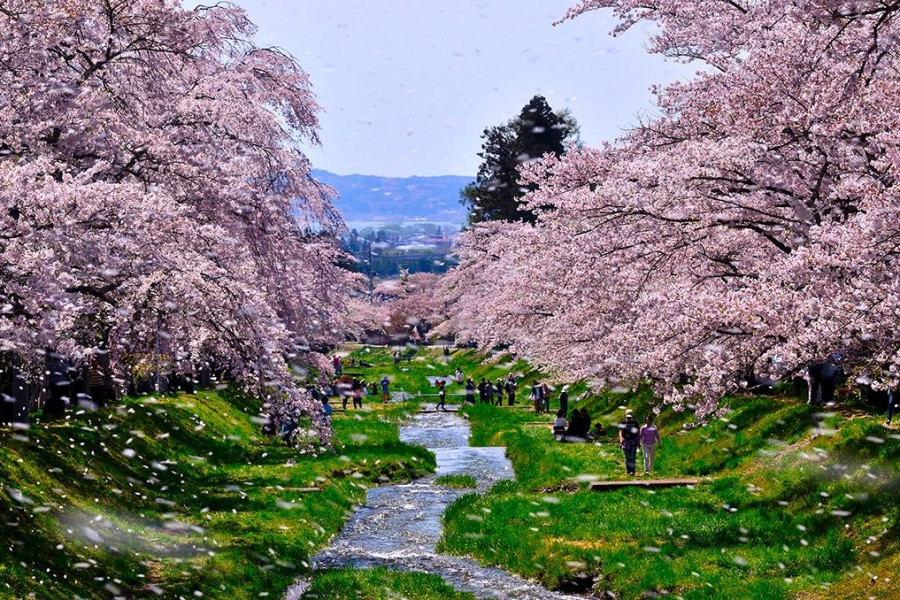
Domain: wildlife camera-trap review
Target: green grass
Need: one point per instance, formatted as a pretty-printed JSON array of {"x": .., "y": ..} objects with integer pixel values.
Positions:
[
  {"x": 182, "y": 495},
  {"x": 456, "y": 481},
  {"x": 410, "y": 376},
  {"x": 781, "y": 516},
  {"x": 380, "y": 584}
]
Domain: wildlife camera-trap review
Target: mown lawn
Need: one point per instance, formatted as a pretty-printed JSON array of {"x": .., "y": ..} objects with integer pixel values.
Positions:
[{"x": 181, "y": 497}]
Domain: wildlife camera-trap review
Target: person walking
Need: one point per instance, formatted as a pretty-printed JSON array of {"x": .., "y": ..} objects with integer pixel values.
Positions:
[
  {"x": 336, "y": 363},
  {"x": 470, "y": 391},
  {"x": 650, "y": 440},
  {"x": 893, "y": 405},
  {"x": 628, "y": 440},
  {"x": 442, "y": 394},
  {"x": 482, "y": 391},
  {"x": 385, "y": 389}
]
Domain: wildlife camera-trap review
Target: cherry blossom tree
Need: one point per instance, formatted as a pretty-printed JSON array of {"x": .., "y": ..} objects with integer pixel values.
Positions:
[
  {"x": 399, "y": 305},
  {"x": 748, "y": 229},
  {"x": 149, "y": 170}
]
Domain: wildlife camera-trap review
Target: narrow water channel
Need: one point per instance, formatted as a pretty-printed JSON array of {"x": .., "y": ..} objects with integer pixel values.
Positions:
[{"x": 400, "y": 525}]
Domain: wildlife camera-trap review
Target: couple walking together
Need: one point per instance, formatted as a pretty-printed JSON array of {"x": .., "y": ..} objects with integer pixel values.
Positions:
[{"x": 631, "y": 436}]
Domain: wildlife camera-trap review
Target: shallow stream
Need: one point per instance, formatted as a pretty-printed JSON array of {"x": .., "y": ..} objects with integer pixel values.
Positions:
[{"x": 400, "y": 525}]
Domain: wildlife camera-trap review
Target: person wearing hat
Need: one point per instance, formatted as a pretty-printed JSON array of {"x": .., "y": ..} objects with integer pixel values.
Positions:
[{"x": 628, "y": 440}]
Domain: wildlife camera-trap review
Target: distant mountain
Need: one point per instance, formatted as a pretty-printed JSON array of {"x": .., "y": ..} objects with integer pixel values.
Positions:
[{"x": 373, "y": 199}]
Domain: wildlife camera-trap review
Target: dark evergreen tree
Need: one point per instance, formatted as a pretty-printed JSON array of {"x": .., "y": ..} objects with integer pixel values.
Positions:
[{"x": 536, "y": 131}]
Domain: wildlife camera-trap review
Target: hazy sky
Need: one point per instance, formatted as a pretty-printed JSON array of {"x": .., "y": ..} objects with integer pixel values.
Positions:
[{"x": 407, "y": 86}]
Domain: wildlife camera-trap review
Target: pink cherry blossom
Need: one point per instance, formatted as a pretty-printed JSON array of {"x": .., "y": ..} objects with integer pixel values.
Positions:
[
  {"x": 748, "y": 229},
  {"x": 150, "y": 162}
]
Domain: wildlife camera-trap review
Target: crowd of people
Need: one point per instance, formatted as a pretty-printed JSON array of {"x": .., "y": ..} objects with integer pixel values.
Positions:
[{"x": 574, "y": 425}]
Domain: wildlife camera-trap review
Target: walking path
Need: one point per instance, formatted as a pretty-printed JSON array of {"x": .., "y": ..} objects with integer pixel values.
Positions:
[{"x": 400, "y": 525}]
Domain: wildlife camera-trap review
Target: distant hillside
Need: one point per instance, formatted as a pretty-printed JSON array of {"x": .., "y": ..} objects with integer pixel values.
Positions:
[{"x": 369, "y": 198}]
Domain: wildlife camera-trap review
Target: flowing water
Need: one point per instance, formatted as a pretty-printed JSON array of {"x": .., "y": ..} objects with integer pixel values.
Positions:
[{"x": 400, "y": 525}]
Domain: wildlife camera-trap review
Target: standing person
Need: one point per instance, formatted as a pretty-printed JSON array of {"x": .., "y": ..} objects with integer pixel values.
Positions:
[
  {"x": 470, "y": 391},
  {"x": 336, "y": 363},
  {"x": 537, "y": 398},
  {"x": 510, "y": 390},
  {"x": 628, "y": 440},
  {"x": 545, "y": 395},
  {"x": 488, "y": 392},
  {"x": 385, "y": 389},
  {"x": 564, "y": 400},
  {"x": 442, "y": 394},
  {"x": 459, "y": 376},
  {"x": 344, "y": 390},
  {"x": 650, "y": 439},
  {"x": 59, "y": 387},
  {"x": 498, "y": 390},
  {"x": 326, "y": 408},
  {"x": 482, "y": 391},
  {"x": 893, "y": 406},
  {"x": 356, "y": 388},
  {"x": 97, "y": 382}
]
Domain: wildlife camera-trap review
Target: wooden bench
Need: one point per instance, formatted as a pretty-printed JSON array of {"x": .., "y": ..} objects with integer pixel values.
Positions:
[{"x": 603, "y": 486}]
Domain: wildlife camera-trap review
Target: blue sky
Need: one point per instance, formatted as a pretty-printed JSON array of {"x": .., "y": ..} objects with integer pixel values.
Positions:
[{"x": 409, "y": 85}]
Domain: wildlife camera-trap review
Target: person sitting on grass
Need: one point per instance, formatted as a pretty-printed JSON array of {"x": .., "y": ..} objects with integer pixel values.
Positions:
[
  {"x": 599, "y": 430},
  {"x": 576, "y": 424},
  {"x": 560, "y": 425}
]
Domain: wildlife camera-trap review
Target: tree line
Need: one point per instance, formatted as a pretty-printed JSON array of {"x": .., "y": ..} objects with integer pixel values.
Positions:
[{"x": 747, "y": 231}]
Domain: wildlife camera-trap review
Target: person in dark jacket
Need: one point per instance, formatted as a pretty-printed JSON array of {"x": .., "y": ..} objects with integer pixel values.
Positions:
[
  {"x": 628, "y": 440},
  {"x": 511, "y": 390},
  {"x": 564, "y": 400}
]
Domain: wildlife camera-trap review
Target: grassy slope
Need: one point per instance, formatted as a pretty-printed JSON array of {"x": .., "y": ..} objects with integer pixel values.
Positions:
[
  {"x": 380, "y": 584},
  {"x": 411, "y": 376},
  {"x": 783, "y": 515},
  {"x": 180, "y": 496}
]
